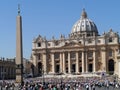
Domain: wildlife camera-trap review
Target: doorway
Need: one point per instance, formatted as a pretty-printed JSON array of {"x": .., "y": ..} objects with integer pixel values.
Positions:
[
  {"x": 57, "y": 68},
  {"x": 111, "y": 66},
  {"x": 73, "y": 68},
  {"x": 40, "y": 69},
  {"x": 90, "y": 67}
]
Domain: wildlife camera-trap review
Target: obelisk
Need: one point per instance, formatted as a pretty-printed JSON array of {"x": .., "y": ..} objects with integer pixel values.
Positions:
[{"x": 19, "y": 49}]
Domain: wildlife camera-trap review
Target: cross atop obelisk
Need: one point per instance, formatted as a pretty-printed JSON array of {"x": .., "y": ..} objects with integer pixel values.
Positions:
[
  {"x": 19, "y": 49},
  {"x": 18, "y": 9}
]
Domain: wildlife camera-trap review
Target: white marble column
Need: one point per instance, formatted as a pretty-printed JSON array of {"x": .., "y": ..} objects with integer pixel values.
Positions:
[
  {"x": 86, "y": 62},
  {"x": 77, "y": 63},
  {"x": 64, "y": 68},
  {"x": 61, "y": 63},
  {"x": 45, "y": 63},
  {"x": 83, "y": 64},
  {"x": 94, "y": 61},
  {"x": 69, "y": 63},
  {"x": 53, "y": 63}
]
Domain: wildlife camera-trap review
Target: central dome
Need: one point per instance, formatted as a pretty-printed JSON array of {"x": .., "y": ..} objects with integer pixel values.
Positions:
[{"x": 84, "y": 26}]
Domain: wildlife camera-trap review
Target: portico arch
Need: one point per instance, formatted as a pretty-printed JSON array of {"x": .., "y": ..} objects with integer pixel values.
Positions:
[
  {"x": 40, "y": 68},
  {"x": 111, "y": 66}
]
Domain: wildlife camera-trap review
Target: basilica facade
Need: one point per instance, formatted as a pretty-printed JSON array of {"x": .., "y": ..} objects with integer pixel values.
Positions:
[{"x": 83, "y": 51}]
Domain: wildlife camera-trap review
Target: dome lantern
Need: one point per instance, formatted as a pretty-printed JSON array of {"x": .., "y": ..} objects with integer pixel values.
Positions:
[{"x": 84, "y": 14}]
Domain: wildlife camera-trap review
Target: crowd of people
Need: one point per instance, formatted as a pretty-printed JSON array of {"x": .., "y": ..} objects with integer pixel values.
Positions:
[{"x": 76, "y": 83}]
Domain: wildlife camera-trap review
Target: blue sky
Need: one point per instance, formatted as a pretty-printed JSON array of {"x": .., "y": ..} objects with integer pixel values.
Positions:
[{"x": 51, "y": 18}]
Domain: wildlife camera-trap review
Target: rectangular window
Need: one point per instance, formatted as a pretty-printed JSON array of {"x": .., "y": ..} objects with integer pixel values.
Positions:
[
  {"x": 39, "y": 56},
  {"x": 89, "y": 41},
  {"x": 66, "y": 55},
  {"x": 110, "y": 53},
  {"x": 39, "y": 44},
  {"x": 88, "y": 35},
  {"x": 110, "y": 40},
  {"x": 90, "y": 54},
  {"x": 80, "y": 54},
  {"x": 57, "y": 55},
  {"x": 72, "y": 55},
  {"x": 99, "y": 41},
  {"x": 48, "y": 44}
]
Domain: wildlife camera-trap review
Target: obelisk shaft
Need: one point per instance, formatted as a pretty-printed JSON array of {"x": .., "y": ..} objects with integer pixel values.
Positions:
[{"x": 19, "y": 50}]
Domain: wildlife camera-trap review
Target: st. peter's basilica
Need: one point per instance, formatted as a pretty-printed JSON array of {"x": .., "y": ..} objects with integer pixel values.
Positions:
[{"x": 83, "y": 51}]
